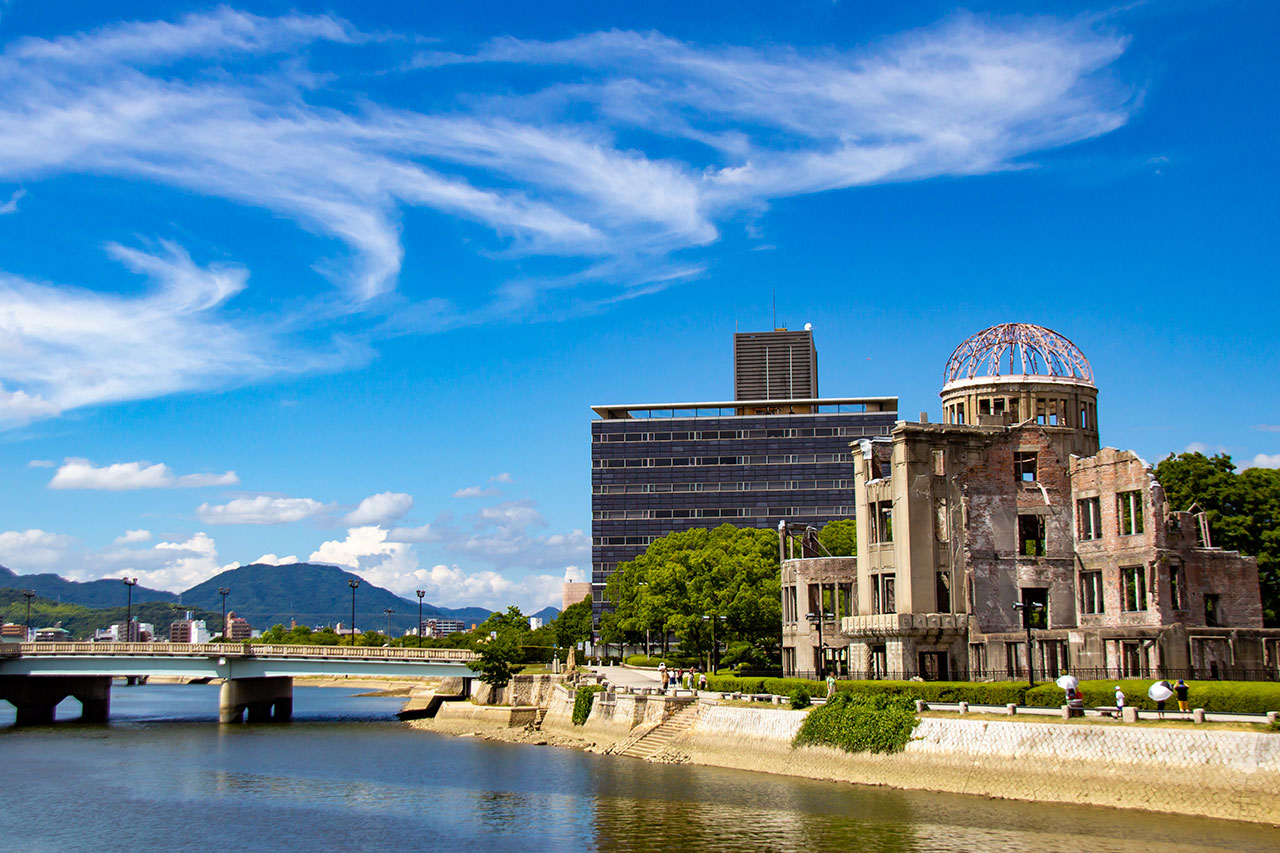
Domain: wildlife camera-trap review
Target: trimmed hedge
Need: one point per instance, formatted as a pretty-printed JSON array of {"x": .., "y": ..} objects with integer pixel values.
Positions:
[
  {"x": 672, "y": 661},
  {"x": 861, "y": 722},
  {"x": 1241, "y": 697},
  {"x": 582, "y": 702}
]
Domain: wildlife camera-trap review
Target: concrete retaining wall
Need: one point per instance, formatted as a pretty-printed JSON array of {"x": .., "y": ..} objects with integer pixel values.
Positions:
[
  {"x": 465, "y": 716},
  {"x": 1232, "y": 775}
]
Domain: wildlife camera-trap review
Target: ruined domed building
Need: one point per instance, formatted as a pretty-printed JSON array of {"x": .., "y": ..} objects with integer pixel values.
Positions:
[{"x": 1008, "y": 510}]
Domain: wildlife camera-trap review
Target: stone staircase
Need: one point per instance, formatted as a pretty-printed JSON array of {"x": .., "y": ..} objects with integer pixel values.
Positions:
[
  {"x": 539, "y": 717},
  {"x": 656, "y": 739}
]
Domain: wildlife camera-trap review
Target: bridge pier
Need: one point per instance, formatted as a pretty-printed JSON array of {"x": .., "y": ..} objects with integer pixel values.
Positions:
[
  {"x": 36, "y": 696},
  {"x": 260, "y": 699}
]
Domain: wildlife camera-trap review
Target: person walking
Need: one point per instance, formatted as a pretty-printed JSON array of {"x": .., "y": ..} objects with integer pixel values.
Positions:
[
  {"x": 1183, "y": 692},
  {"x": 662, "y": 675},
  {"x": 831, "y": 685},
  {"x": 702, "y": 681},
  {"x": 1119, "y": 699}
]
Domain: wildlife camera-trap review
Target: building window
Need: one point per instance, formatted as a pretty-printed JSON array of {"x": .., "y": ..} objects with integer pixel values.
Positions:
[
  {"x": 940, "y": 519},
  {"x": 1031, "y": 535},
  {"x": 882, "y": 594},
  {"x": 1133, "y": 581},
  {"x": 1091, "y": 592},
  {"x": 1129, "y": 513},
  {"x": 1177, "y": 586},
  {"x": 943, "y": 592},
  {"x": 881, "y": 522},
  {"x": 1035, "y": 608},
  {"x": 959, "y": 413},
  {"x": 1015, "y": 659},
  {"x": 1213, "y": 610},
  {"x": 1024, "y": 466},
  {"x": 1088, "y": 519}
]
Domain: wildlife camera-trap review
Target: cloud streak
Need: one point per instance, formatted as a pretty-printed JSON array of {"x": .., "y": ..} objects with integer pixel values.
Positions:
[{"x": 128, "y": 476}]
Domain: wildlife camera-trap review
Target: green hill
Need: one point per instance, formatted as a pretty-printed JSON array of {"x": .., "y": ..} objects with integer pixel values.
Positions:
[{"x": 100, "y": 593}]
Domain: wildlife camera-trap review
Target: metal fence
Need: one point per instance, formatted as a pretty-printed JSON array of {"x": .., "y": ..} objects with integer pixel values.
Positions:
[{"x": 1084, "y": 674}]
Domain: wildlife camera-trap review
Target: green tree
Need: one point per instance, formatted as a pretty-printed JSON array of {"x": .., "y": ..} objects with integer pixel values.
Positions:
[
  {"x": 500, "y": 647},
  {"x": 687, "y": 576},
  {"x": 573, "y": 625},
  {"x": 840, "y": 537},
  {"x": 1243, "y": 510}
]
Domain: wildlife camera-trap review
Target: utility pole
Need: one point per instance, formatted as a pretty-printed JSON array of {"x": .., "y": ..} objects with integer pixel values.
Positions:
[
  {"x": 353, "y": 583},
  {"x": 28, "y": 594},
  {"x": 388, "y": 611},
  {"x": 224, "y": 591},
  {"x": 421, "y": 593},
  {"x": 129, "y": 584}
]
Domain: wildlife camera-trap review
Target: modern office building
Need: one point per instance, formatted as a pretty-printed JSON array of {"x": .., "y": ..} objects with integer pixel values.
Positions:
[{"x": 752, "y": 461}]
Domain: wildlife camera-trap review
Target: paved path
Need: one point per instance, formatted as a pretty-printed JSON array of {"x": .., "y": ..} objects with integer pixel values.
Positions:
[{"x": 628, "y": 677}]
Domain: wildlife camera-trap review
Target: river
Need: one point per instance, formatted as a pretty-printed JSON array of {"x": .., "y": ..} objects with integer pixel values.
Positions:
[{"x": 345, "y": 775}]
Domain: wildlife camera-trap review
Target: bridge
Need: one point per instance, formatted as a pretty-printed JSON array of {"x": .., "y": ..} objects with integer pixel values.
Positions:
[{"x": 257, "y": 680}]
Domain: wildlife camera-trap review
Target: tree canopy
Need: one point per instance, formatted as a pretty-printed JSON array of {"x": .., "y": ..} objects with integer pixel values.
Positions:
[
  {"x": 840, "y": 537},
  {"x": 687, "y": 578},
  {"x": 1243, "y": 510}
]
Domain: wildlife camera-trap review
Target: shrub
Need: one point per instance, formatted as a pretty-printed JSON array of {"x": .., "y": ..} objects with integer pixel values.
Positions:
[
  {"x": 881, "y": 723},
  {"x": 582, "y": 702},
  {"x": 800, "y": 698},
  {"x": 1240, "y": 697}
]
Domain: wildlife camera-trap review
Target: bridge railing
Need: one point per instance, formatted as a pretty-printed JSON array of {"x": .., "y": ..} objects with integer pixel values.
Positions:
[{"x": 239, "y": 650}]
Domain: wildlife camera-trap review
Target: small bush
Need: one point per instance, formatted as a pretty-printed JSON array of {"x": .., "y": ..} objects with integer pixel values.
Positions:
[
  {"x": 800, "y": 698},
  {"x": 582, "y": 702},
  {"x": 880, "y": 723}
]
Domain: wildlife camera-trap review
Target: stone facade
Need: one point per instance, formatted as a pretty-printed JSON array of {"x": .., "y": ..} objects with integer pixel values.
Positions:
[{"x": 967, "y": 531}]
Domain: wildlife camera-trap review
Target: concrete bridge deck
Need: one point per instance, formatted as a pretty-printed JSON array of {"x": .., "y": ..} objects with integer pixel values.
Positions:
[{"x": 258, "y": 679}]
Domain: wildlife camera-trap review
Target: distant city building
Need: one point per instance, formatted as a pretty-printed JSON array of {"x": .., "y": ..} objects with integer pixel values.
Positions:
[
  {"x": 189, "y": 630},
  {"x": 571, "y": 592},
  {"x": 12, "y": 633},
  {"x": 535, "y": 623},
  {"x": 442, "y": 627},
  {"x": 138, "y": 632},
  {"x": 237, "y": 629},
  {"x": 777, "y": 451},
  {"x": 56, "y": 634},
  {"x": 1009, "y": 515}
]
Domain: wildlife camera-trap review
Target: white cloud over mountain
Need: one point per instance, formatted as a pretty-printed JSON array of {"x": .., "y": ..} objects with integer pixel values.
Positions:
[
  {"x": 262, "y": 509},
  {"x": 380, "y": 508}
]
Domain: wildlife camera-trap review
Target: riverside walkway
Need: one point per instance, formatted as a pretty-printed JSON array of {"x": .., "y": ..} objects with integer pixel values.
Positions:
[{"x": 257, "y": 679}]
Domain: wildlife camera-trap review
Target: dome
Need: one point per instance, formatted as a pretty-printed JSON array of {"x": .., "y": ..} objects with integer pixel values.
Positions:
[{"x": 1018, "y": 349}]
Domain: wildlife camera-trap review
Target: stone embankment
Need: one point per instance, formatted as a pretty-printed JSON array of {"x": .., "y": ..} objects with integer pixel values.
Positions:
[{"x": 1212, "y": 773}]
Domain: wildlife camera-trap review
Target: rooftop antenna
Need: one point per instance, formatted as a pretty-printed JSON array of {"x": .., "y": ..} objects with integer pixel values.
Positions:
[{"x": 775, "y": 308}]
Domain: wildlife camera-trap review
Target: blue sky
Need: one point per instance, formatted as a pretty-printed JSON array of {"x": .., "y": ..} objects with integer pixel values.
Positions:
[{"x": 341, "y": 283}]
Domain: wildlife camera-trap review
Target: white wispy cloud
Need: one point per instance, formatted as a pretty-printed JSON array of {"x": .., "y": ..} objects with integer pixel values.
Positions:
[
  {"x": 125, "y": 476},
  {"x": 190, "y": 104},
  {"x": 1262, "y": 460},
  {"x": 11, "y": 206},
  {"x": 261, "y": 509},
  {"x": 380, "y": 508},
  {"x": 131, "y": 536},
  {"x": 274, "y": 560},
  {"x": 35, "y": 549},
  {"x": 504, "y": 477},
  {"x": 42, "y": 463},
  {"x": 477, "y": 492}
]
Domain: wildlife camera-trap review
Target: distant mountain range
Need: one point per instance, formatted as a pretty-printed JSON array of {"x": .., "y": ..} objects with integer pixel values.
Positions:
[{"x": 308, "y": 593}]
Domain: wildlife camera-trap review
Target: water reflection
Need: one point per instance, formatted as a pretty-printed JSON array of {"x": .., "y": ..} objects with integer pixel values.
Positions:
[{"x": 346, "y": 775}]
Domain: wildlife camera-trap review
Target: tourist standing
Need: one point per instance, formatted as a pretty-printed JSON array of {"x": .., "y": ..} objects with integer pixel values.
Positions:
[
  {"x": 1182, "y": 691},
  {"x": 1119, "y": 698},
  {"x": 702, "y": 681},
  {"x": 831, "y": 685},
  {"x": 662, "y": 675}
]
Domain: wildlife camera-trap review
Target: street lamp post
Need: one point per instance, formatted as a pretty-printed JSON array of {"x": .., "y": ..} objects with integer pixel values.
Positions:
[
  {"x": 224, "y": 591},
  {"x": 421, "y": 593},
  {"x": 129, "y": 584},
  {"x": 1028, "y": 609},
  {"x": 28, "y": 594},
  {"x": 353, "y": 583},
  {"x": 822, "y": 651},
  {"x": 715, "y": 648},
  {"x": 388, "y": 611}
]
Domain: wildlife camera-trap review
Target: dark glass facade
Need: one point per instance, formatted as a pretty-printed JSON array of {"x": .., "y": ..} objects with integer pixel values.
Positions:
[{"x": 654, "y": 475}]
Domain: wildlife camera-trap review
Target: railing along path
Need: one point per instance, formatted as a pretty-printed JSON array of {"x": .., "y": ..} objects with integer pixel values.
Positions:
[{"x": 239, "y": 650}]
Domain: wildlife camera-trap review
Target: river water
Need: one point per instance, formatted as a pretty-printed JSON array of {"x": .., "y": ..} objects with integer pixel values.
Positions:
[{"x": 345, "y": 775}]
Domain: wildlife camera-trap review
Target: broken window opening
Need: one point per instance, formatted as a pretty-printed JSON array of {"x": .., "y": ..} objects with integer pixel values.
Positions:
[
  {"x": 1089, "y": 519},
  {"x": 882, "y": 594},
  {"x": 1041, "y": 417},
  {"x": 960, "y": 413},
  {"x": 1133, "y": 581},
  {"x": 984, "y": 406},
  {"x": 1129, "y": 513},
  {"x": 1091, "y": 593},
  {"x": 997, "y": 406},
  {"x": 1213, "y": 610},
  {"x": 940, "y": 519},
  {"x": 1035, "y": 608},
  {"x": 1031, "y": 535},
  {"x": 1024, "y": 466},
  {"x": 882, "y": 522},
  {"x": 943, "y": 592},
  {"x": 1177, "y": 586}
]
